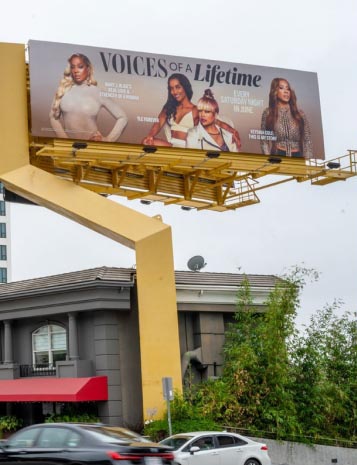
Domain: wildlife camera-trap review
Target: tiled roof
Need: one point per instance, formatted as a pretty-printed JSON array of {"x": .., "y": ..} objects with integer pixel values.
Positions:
[
  {"x": 122, "y": 276},
  {"x": 195, "y": 278},
  {"x": 125, "y": 276}
]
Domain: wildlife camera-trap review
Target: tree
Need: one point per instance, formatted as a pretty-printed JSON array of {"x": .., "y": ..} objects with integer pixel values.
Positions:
[
  {"x": 276, "y": 379},
  {"x": 256, "y": 359},
  {"x": 325, "y": 365}
]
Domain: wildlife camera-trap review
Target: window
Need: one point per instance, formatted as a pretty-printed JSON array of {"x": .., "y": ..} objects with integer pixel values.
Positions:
[
  {"x": 2, "y": 229},
  {"x": 239, "y": 441},
  {"x": 58, "y": 437},
  {"x": 204, "y": 443},
  {"x": 3, "y": 275},
  {"x": 3, "y": 253},
  {"x": 225, "y": 441},
  {"x": 49, "y": 345},
  {"x": 23, "y": 438},
  {"x": 2, "y": 208},
  {"x": 1, "y": 188}
]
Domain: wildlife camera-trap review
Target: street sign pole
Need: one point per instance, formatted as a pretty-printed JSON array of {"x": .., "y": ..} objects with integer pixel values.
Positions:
[{"x": 168, "y": 396}]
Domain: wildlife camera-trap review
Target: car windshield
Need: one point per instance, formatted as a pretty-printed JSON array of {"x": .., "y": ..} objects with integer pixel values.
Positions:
[
  {"x": 124, "y": 433},
  {"x": 108, "y": 435},
  {"x": 176, "y": 442}
]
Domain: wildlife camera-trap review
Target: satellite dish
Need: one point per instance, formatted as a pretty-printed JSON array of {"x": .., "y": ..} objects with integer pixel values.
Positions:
[{"x": 196, "y": 263}]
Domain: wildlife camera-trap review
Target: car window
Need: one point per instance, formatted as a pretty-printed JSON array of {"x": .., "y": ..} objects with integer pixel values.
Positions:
[
  {"x": 225, "y": 440},
  {"x": 58, "y": 437},
  {"x": 53, "y": 437},
  {"x": 204, "y": 443},
  {"x": 175, "y": 442},
  {"x": 23, "y": 438},
  {"x": 73, "y": 439},
  {"x": 239, "y": 441}
]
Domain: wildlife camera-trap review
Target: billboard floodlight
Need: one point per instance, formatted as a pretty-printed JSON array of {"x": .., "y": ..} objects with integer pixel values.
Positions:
[
  {"x": 274, "y": 160},
  {"x": 149, "y": 149},
  {"x": 213, "y": 154},
  {"x": 333, "y": 165},
  {"x": 78, "y": 146}
]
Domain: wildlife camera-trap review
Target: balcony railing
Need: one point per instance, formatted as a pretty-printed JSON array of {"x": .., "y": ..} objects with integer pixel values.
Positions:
[{"x": 37, "y": 370}]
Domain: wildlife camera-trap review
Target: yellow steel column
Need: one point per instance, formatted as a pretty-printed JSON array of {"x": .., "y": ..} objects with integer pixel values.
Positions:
[
  {"x": 158, "y": 327},
  {"x": 155, "y": 278},
  {"x": 14, "y": 146}
]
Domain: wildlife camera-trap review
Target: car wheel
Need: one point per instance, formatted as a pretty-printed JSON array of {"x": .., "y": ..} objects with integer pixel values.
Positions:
[{"x": 252, "y": 462}]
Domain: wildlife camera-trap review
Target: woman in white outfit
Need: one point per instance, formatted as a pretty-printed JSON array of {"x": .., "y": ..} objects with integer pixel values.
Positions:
[
  {"x": 78, "y": 101},
  {"x": 178, "y": 115},
  {"x": 207, "y": 135}
]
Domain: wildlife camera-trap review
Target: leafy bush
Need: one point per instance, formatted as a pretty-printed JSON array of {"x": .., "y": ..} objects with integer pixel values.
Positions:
[
  {"x": 186, "y": 415},
  {"x": 159, "y": 429},
  {"x": 73, "y": 418},
  {"x": 10, "y": 423}
]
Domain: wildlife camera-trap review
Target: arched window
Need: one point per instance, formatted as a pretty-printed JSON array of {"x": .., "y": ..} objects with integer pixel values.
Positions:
[{"x": 49, "y": 345}]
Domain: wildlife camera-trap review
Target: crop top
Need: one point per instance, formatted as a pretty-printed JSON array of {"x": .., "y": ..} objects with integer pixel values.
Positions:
[{"x": 185, "y": 123}]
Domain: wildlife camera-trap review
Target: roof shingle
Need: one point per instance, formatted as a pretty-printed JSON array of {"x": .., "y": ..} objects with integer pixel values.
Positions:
[{"x": 125, "y": 276}]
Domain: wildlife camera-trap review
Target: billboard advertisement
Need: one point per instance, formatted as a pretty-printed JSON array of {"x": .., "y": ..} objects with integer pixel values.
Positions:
[{"x": 98, "y": 94}]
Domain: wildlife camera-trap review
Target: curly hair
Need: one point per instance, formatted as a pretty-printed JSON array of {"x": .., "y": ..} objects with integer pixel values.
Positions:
[
  {"x": 67, "y": 82},
  {"x": 171, "y": 104}
]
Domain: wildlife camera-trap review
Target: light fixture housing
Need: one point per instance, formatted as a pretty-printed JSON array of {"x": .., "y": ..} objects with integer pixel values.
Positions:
[
  {"x": 149, "y": 149},
  {"x": 79, "y": 145},
  {"x": 213, "y": 154},
  {"x": 274, "y": 160},
  {"x": 333, "y": 165}
]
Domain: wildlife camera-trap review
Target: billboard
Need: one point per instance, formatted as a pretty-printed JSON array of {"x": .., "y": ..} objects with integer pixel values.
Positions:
[{"x": 92, "y": 93}]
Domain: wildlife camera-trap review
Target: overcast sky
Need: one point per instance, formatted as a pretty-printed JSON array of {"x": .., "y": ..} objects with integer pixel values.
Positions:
[{"x": 295, "y": 224}]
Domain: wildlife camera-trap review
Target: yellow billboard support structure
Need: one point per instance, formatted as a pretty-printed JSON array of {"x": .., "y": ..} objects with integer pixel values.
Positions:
[
  {"x": 66, "y": 177},
  {"x": 150, "y": 237}
]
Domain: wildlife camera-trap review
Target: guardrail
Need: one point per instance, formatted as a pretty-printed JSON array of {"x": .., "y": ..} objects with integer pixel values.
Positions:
[{"x": 37, "y": 370}]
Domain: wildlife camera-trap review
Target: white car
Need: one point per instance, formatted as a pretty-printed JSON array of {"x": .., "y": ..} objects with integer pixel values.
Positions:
[{"x": 217, "y": 448}]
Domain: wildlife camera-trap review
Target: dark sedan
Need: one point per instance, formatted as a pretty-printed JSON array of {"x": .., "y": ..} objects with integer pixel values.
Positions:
[{"x": 79, "y": 444}]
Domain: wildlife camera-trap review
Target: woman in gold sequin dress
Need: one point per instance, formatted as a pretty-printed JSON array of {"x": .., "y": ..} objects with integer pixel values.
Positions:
[{"x": 288, "y": 124}]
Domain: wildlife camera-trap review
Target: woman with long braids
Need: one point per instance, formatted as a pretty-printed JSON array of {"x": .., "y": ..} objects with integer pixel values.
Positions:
[
  {"x": 78, "y": 101},
  {"x": 178, "y": 115},
  {"x": 288, "y": 123}
]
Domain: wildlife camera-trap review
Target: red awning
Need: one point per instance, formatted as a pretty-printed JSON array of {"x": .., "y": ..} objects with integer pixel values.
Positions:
[{"x": 43, "y": 389}]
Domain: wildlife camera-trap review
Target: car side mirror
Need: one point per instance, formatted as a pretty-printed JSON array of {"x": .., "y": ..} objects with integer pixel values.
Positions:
[{"x": 194, "y": 449}]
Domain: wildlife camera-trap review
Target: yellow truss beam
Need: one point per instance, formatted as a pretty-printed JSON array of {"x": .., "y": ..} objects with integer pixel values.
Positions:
[{"x": 185, "y": 177}]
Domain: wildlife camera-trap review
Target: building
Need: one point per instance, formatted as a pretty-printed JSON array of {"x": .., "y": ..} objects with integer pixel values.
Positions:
[
  {"x": 74, "y": 338},
  {"x": 5, "y": 251}
]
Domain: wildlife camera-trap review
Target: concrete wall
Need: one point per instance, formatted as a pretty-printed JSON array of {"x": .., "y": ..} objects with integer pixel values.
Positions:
[{"x": 292, "y": 453}]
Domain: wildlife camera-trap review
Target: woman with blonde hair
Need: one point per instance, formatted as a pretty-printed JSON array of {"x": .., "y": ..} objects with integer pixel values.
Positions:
[
  {"x": 287, "y": 122},
  {"x": 77, "y": 102},
  {"x": 208, "y": 135}
]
